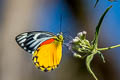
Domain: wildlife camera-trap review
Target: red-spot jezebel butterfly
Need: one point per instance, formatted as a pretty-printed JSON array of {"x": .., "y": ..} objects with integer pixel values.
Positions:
[{"x": 45, "y": 47}]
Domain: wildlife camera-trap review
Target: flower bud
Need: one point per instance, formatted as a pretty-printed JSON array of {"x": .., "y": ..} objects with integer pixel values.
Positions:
[
  {"x": 76, "y": 39},
  {"x": 77, "y": 55},
  {"x": 84, "y": 32},
  {"x": 79, "y": 34}
]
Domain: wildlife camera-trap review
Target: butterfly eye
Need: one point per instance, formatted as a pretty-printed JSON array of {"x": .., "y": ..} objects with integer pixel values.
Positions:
[{"x": 59, "y": 37}]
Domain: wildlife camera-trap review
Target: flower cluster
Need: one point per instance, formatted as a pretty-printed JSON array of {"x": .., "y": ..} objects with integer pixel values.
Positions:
[{"x": 80, "y": 46}]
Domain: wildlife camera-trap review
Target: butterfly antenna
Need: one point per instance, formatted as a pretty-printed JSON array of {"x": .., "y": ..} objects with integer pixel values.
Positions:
[{"x": 60, "y": 22}]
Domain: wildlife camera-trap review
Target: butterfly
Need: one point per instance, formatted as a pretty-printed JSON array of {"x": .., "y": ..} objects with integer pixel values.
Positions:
[{"x": 45, "y": 47}]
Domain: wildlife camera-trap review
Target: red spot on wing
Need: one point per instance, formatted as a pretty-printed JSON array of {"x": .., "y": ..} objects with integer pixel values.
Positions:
[{"x": 47, "y": 42}]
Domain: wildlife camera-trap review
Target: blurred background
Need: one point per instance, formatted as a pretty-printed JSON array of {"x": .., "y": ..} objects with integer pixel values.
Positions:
[{"x": 17, "y": 16}]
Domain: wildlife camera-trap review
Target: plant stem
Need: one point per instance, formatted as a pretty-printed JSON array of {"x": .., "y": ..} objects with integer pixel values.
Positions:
[
  {"x": 96, "y": 3},
  {"x": 107, "y": 48}
]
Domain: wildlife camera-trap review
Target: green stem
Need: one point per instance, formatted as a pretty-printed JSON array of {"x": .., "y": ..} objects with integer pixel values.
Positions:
[
  {"x": 107, "y": 48},
  {"x": 96, "y": 3},
  {"x": 88, "y": 62}
]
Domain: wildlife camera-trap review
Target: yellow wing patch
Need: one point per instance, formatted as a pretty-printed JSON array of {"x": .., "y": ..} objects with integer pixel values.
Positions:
[{"x": 47, "y": 57}]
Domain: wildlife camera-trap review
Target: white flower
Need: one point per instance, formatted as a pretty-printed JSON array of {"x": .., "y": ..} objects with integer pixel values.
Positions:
[
  {"x": 84, "y": 32},
  {"x": 79, "y": 34},
  {"x": 76, "y": 40},
  {"x": 77, "y": 55}
]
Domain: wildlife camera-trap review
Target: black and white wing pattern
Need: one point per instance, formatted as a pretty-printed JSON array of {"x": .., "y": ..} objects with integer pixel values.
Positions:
[{"x": 30, "y": 41}]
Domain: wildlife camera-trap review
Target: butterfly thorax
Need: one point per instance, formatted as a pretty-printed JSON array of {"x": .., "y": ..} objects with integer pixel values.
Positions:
[{"x": 59, "y": 37}]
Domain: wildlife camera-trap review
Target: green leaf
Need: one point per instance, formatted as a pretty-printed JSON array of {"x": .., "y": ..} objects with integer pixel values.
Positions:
[
  {"x": 102, "y": 57},
  {"x": 88, "y": 61},
  {"x": 96, "y": 3},
  {"x": 95, "y": 41}
]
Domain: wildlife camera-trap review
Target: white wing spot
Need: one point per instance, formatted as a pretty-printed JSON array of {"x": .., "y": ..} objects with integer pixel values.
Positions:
[
  {"x": 21, "y": 37},
  {"x": 32, "y": 52},
  {"x": 35, "y": 37},
  {"x": 22, "y": 44},
  {"x": 36, "y": 42},
  {"x": 22, "y": 41},
  {"x": 24, "y": 34},
  {"x": 25, "y": 48},
  {"x": 29, "y": 51}
]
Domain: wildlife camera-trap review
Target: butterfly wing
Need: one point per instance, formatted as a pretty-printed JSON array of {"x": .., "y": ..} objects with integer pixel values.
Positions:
[
  {"x": 30, "y": 41},
  {"x": 48, "y": 56}
]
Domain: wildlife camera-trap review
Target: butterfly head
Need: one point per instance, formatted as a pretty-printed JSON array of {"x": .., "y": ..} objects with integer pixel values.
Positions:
[{"x": 60, "y": 36}]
